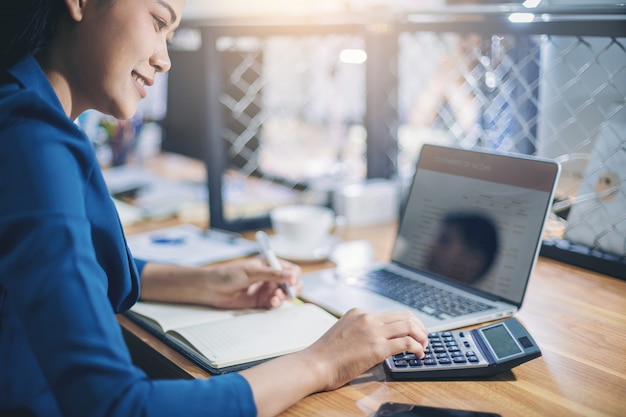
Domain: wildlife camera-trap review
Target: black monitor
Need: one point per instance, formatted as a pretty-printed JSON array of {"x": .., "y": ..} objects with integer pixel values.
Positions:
[{"x": 184, "y": 123}]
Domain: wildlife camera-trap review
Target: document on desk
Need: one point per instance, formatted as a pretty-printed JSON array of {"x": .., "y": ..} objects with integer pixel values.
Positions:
[
  {"x": 189, "y": 245},
  {"x": 228, "y": 340}
]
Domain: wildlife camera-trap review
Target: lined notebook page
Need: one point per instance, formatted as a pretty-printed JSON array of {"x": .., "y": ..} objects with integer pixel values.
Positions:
[
  {"x": 171, "y": 316},
  {"x": 258, "y": 336}
]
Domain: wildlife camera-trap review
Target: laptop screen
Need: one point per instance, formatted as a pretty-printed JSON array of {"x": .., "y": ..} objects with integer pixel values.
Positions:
[{"x": 476, "y": 218}]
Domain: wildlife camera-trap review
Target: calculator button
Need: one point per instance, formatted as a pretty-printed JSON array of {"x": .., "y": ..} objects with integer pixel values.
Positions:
[
  {"x": 526, "y": 343},
  {"x": 445, "y": 348}
]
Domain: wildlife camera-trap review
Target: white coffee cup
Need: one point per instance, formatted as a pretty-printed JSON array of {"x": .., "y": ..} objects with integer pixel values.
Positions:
[{"x": 304, "y": 227}]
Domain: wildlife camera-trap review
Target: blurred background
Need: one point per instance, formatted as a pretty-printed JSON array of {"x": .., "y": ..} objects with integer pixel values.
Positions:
[{"x": 278, "y": 101}]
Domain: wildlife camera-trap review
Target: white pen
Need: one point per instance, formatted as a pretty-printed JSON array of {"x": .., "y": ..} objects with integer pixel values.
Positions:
[{"x": 272, "y": 260}]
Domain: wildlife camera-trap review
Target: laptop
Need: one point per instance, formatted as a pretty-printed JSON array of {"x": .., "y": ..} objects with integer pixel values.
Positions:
[{"x": 466, "y": 245}]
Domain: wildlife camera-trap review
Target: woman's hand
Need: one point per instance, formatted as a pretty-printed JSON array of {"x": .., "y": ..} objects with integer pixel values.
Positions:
[
  {"x": 245, "y": 283},
  {"x": 362, "y": 339},
  {"x": 252, "y": 283}
]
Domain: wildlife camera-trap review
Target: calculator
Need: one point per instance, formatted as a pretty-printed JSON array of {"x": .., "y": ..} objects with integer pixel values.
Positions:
[{"x": 466, "y": 354}]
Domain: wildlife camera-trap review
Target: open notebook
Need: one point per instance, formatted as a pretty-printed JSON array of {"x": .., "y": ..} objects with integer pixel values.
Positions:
[
  {"x": 466, "y": 245},
  {"x": 222, "y": 341}
]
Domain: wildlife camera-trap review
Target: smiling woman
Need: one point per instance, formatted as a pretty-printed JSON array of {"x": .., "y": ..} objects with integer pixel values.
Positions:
[
  {"x": 65, "y": 267},
  {"x": 131, "y": 38}
]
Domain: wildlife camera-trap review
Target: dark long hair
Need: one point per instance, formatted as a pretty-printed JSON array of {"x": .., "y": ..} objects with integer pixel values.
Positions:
[{"x": 26, "y": 27}]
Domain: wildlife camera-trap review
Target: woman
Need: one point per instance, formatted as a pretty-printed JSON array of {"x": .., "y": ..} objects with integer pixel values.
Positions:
[{"x": 65, "y": 269}]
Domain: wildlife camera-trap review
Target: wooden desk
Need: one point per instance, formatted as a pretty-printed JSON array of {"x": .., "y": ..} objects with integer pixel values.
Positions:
[{"x": 577, "y": 317}]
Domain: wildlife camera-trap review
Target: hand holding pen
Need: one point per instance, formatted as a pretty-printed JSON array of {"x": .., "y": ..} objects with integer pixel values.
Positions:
[{"x": 272, "y": 260}]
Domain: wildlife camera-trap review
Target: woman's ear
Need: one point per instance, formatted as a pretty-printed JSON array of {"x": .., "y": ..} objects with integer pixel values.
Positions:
[{"x": 76, "y": 9}]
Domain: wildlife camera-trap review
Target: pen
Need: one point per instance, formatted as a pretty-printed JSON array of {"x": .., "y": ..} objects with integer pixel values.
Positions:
[{"x": 269, "y": 254}]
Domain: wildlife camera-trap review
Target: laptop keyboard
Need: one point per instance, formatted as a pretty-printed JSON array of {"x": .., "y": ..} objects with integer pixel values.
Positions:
[{"x": 424, "y": 297}]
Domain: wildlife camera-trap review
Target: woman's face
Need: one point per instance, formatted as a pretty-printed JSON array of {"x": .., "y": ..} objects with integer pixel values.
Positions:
[{"x": 118, "y": 46}]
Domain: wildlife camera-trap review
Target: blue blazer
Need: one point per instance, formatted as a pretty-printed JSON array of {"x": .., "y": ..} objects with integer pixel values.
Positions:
[{"x": 65, "y": 271}]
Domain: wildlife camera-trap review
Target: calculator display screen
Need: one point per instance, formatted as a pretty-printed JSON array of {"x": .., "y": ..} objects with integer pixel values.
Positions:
[{"x": 501, "y": 341}]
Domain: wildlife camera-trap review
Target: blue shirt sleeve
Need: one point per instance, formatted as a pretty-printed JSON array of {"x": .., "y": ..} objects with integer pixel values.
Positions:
[{"x": 140, "y": 264}]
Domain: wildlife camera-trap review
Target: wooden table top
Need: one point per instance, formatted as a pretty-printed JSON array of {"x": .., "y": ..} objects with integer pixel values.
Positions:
[{"x": 577, "y": 317}]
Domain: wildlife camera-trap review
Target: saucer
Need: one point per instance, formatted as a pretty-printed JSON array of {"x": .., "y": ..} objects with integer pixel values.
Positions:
[{"x": 287, "y": 250}]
